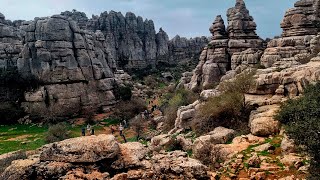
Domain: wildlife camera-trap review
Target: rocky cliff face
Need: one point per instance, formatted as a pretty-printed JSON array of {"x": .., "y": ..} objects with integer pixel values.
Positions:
[
  {"x": 71, "y": 65},
  {"x": 230, "y": 47},
  {"x": 133, "y": 42}
]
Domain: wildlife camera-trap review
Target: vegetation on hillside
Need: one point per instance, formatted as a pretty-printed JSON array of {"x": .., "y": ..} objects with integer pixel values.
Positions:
[
  {"x": 301, "y": 118},
  {"x": 171, "y": 103},
  {"x": 229, "y": 109}
]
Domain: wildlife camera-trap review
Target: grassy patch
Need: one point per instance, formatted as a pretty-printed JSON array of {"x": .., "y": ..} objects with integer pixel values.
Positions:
[
  {"x": 111, "y": 121},
  {"x": 263, "y": 153},
  {"x": 21, "y": 137}
]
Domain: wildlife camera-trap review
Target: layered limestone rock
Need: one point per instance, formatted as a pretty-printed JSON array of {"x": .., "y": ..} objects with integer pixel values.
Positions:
[
  {"x": 241, "y": 30},
  {"x": 71, "y": 64},
  {"x": 300, "y": 25},
  {"x": 133, "y": 42},
  {"x": 101, "y": 157},
  {"x": 288, "y": 82},
  {"x": 237, "y": 45}
]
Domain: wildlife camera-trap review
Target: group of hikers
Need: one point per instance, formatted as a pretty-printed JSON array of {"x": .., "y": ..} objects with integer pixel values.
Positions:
[
  {"x": 121, "y": 127},
  {"x": 145, "y": 115}
]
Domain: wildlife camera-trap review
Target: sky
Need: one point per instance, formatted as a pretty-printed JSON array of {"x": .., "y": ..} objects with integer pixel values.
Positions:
[{"x": 188, "y": 18}]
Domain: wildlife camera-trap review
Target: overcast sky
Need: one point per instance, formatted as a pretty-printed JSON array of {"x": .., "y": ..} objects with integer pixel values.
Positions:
[{"x": 187, "y": 18}]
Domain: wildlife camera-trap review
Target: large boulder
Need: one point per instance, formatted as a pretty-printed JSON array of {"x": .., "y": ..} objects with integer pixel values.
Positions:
[
  {"x": 82, "y": 149},
  {"x": 219, "y": 135},
  {"x": 262, "y": 122}
]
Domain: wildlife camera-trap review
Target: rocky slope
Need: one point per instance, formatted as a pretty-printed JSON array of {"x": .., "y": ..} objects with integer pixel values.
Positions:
[
  {"x": 101, "y": 157},
  {"x": 133, "y": 42}
]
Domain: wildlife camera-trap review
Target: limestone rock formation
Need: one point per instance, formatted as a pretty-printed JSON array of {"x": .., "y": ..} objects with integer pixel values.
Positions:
[
  {"x": 288, "y": 82},
  {"x": 300, "y": 25},
  {"x": 133, "y": 42},
  {"x": 230, "y": 47},
  {"x": 72, "y": 66}
]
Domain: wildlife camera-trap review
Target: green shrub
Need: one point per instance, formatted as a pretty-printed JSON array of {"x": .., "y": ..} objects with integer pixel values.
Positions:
[
  {"x": 129, "y": 109},
  {"x": 226, "y": 110},
  {"x": 57, "y": 132},
  {"x": 301, "y": 118},
  {"x": 229, "y": 109},
  {"x": 123, "y": 93}
]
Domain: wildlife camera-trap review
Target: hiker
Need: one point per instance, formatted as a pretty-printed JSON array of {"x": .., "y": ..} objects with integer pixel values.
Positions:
[
  {"x": 92, "y": 131},
  {"x": 112, "y": 129},
  {"x": 89, "y": 128},
  {"x": 83, "y": 130},
  {"x": 120, "y": 129}
]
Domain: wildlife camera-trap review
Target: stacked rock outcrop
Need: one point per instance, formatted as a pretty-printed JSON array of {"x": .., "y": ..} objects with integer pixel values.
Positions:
[
  {"x": 226, "y": 50},
  {"x": 297, "y": 44},
  {"x": 133, "y": 42}
]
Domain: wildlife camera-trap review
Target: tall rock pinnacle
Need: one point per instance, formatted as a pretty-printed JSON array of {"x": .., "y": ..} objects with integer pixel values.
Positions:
[
  {"x": 241, "y": 24},
  {"x": 218, "y": 29}
]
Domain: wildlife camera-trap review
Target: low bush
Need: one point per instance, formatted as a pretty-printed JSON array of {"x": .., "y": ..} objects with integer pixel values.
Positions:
[
  {"x": 229, "y": 109},
  {"x": 129, "y": 109},
  {"x": 123, "y": 93},
  {"x": 226, "y": 110},
  {"x": 57, "y": 132},
  {"x": 301, "y": 118}
]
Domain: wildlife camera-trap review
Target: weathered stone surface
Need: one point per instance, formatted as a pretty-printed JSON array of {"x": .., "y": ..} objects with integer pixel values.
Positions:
[
  {"x": 185, "y": 114},
  {"x": 262, "y": 122},
  {"x": 302, "y": 19},
  {"x": 176, "y": 163},
  {"x": 82, "y": 149},
  {"x": 287, "y": 145},
  {"x": 130, "y": 155},
  {"x": 298, "y": 43},
  {"x": 289, "y": 82},
  {"x": 6, "y": 159},
  {"x": 18, "y": 169},
  {"x": 219, "y": 135}
]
